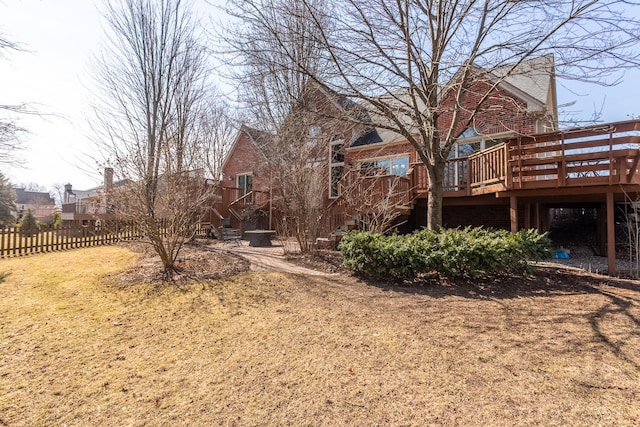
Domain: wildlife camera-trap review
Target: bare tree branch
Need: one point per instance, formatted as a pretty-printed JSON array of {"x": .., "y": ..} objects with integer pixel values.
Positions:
[
  {"x": 153, "y": 81},
  {"x": 428, "y": 69}
]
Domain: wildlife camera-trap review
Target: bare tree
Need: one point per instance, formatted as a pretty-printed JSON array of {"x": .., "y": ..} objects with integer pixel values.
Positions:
[
  {"x": 7, "y": 202},
  {"x": 373, "y": 200},
  {"x": 11, "y": 144},
  {"x": 153, "y": 80},
  {"x": 283, "y": 101},
  {"x": 218, "y": 127},
  {"x": 426, "y": 69}
]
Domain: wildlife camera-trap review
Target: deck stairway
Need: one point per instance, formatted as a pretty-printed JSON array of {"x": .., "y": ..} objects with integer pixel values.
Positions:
[{"x": 231, "y": 209}]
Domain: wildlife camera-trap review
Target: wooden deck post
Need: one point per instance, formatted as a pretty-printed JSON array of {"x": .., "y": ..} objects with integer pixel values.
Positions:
[
  {"x": 527, "y": 216},
  {"x": 611, "y": 235},
  {"x": 513, "y": 213}
]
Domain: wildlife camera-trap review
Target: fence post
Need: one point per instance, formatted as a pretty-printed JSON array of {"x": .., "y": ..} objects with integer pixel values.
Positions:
[{"x": 15, "y": 240}]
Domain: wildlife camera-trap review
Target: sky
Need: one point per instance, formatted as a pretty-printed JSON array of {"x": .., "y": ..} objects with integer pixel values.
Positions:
[{"x": 53, "y": 75}]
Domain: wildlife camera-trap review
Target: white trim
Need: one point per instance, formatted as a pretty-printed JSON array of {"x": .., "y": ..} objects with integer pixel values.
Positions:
[
  {"x": 390, "y": 158},
  {"x": 333, "y": 164},
  {"x": 238, "y": 175}
]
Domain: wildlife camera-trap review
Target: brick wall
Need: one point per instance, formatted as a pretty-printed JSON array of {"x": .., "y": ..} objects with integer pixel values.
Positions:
[
  {"x": 245, "y": 158},
  {"x": 501, "y": 112}
]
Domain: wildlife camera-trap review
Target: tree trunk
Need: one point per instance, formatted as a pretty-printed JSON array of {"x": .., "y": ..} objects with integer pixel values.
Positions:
[{"x": 435, "y": 173}]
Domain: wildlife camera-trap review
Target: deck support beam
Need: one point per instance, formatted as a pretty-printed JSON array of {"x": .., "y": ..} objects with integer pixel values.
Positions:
[
  {"x": 513, "y": 213},
  {"x": 611, "y": 235}
]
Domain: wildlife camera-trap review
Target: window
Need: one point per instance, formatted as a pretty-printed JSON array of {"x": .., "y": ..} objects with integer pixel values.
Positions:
[
  {"x": 337, "y": 152},
  {"x": 390, "y": 166},
  {"x": 313, "y": 135},
  {"x": 470, "y": 141},
  {"x": 469, "y": 132},
  {"x": 336, "y": 167},
  {"x": 337, "y": 172},
  {"x": 245, "y": 183}
]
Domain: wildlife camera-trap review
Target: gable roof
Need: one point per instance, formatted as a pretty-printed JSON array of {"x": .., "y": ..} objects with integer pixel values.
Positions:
[
  {"x": 530, "y": 81},
  {"x": 533, "y": 77},
  {"x": 24, "y": 197},
  {"x": 257, "y": 137}
]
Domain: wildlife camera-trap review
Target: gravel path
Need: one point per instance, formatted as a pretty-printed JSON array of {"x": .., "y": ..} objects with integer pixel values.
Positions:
[{"x": 583, "y": 258}]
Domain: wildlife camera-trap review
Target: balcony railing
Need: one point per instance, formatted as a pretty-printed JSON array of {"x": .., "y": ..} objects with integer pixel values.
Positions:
[
  {"x": 83, "y": 209},
  {"x": 589, "y": 156},
  {"x": 370, "y": 191}
]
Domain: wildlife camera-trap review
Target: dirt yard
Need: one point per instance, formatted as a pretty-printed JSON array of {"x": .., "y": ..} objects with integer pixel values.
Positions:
[{"x": 87, "y": 337}]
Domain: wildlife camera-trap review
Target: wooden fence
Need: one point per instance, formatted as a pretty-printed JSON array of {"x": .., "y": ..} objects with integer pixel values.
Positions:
[{"x": 15, "y": 243}]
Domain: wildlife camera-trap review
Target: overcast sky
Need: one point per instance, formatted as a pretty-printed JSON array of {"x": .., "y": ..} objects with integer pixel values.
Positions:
[{"x": 53, "y": 75}]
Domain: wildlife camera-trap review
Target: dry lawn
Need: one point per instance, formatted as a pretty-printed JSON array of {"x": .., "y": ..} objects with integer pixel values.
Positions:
[{"x": 83, "y": 345}]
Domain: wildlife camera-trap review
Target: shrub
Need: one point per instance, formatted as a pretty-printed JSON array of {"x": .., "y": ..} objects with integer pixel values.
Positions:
[
  {"x": 56, "y": 220},
  {"x": 28, "y": 224},
  {"x": 452, "y": 252}
]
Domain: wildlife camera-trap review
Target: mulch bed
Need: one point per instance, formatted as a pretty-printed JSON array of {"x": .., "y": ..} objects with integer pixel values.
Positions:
[{"x": 195, "y": 264}]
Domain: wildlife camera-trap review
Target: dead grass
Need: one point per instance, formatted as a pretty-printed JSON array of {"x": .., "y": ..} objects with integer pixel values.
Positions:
[{"x": 78, "y": 347}]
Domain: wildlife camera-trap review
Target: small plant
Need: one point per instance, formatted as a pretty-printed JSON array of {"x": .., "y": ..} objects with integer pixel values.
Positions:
[
  {"x": 56, "y": 220},
  {"x": 456, "y": 252},
  {"x": 28, "y": 224}
]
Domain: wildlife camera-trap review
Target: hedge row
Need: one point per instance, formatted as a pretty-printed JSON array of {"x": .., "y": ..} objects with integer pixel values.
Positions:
[{"x": 451, "y": 252}]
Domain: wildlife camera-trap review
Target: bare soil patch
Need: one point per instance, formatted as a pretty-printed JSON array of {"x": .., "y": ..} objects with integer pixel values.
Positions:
[
  {"x": 323, "y": 260},
  {"x": 194, "y": 264},
  {"x": 81, "y": 347}
]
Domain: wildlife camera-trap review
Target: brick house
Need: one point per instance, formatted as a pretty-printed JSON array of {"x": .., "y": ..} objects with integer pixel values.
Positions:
[
  {"x": 522, "y": 104},
  {"x": 41, "y": 204},
  {"x": 510, "y": 168}
]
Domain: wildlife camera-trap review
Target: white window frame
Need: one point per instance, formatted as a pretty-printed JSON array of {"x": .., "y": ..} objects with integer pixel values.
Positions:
[
  {"x": 390, "y": 159},
  {"x": 245, "y": 174},
  {"x": 333, "y": 165}
]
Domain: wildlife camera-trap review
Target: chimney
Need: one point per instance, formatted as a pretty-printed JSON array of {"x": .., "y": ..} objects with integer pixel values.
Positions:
[
  {"x": 67, "y": 193},
  {"x": 108, "y": 179}
]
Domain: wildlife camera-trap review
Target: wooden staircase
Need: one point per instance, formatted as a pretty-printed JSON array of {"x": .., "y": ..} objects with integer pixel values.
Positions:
[{"x": 368, "y": 200}]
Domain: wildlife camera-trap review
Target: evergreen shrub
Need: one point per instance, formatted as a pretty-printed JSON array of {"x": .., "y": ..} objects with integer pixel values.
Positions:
[
  {"x": 29, "y": 225},
  {"x": 469, "y": 252}
]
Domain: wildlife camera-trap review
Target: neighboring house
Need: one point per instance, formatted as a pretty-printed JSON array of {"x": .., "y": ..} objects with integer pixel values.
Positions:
[
  {"x": 89, "y": 206},
  {"x": 41, "y": 204},
  {"x": 512, "y": 168}
]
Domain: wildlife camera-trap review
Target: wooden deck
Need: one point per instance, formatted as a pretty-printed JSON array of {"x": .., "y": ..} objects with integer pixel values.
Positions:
[
  {"x": 595, "y": 164},
  {"x": 595, "y": 156},
  {"x": 230, "y": 202}
]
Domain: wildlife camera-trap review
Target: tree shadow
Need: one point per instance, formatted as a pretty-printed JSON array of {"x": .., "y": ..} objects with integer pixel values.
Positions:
[
  {"x": 544, "y": 281},
  {"x": 621, "y": 304}
]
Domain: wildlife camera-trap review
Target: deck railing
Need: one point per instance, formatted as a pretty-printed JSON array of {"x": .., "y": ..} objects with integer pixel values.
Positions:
[
  {"x": 368, "y": 190},
  {"x": 488, "y": 167},
  {"x": 231, "y": 196},
  {"x": 592, "y": 156},
  {"x": 595, "y": 155},
  {"x": 231, "y": 201}
]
